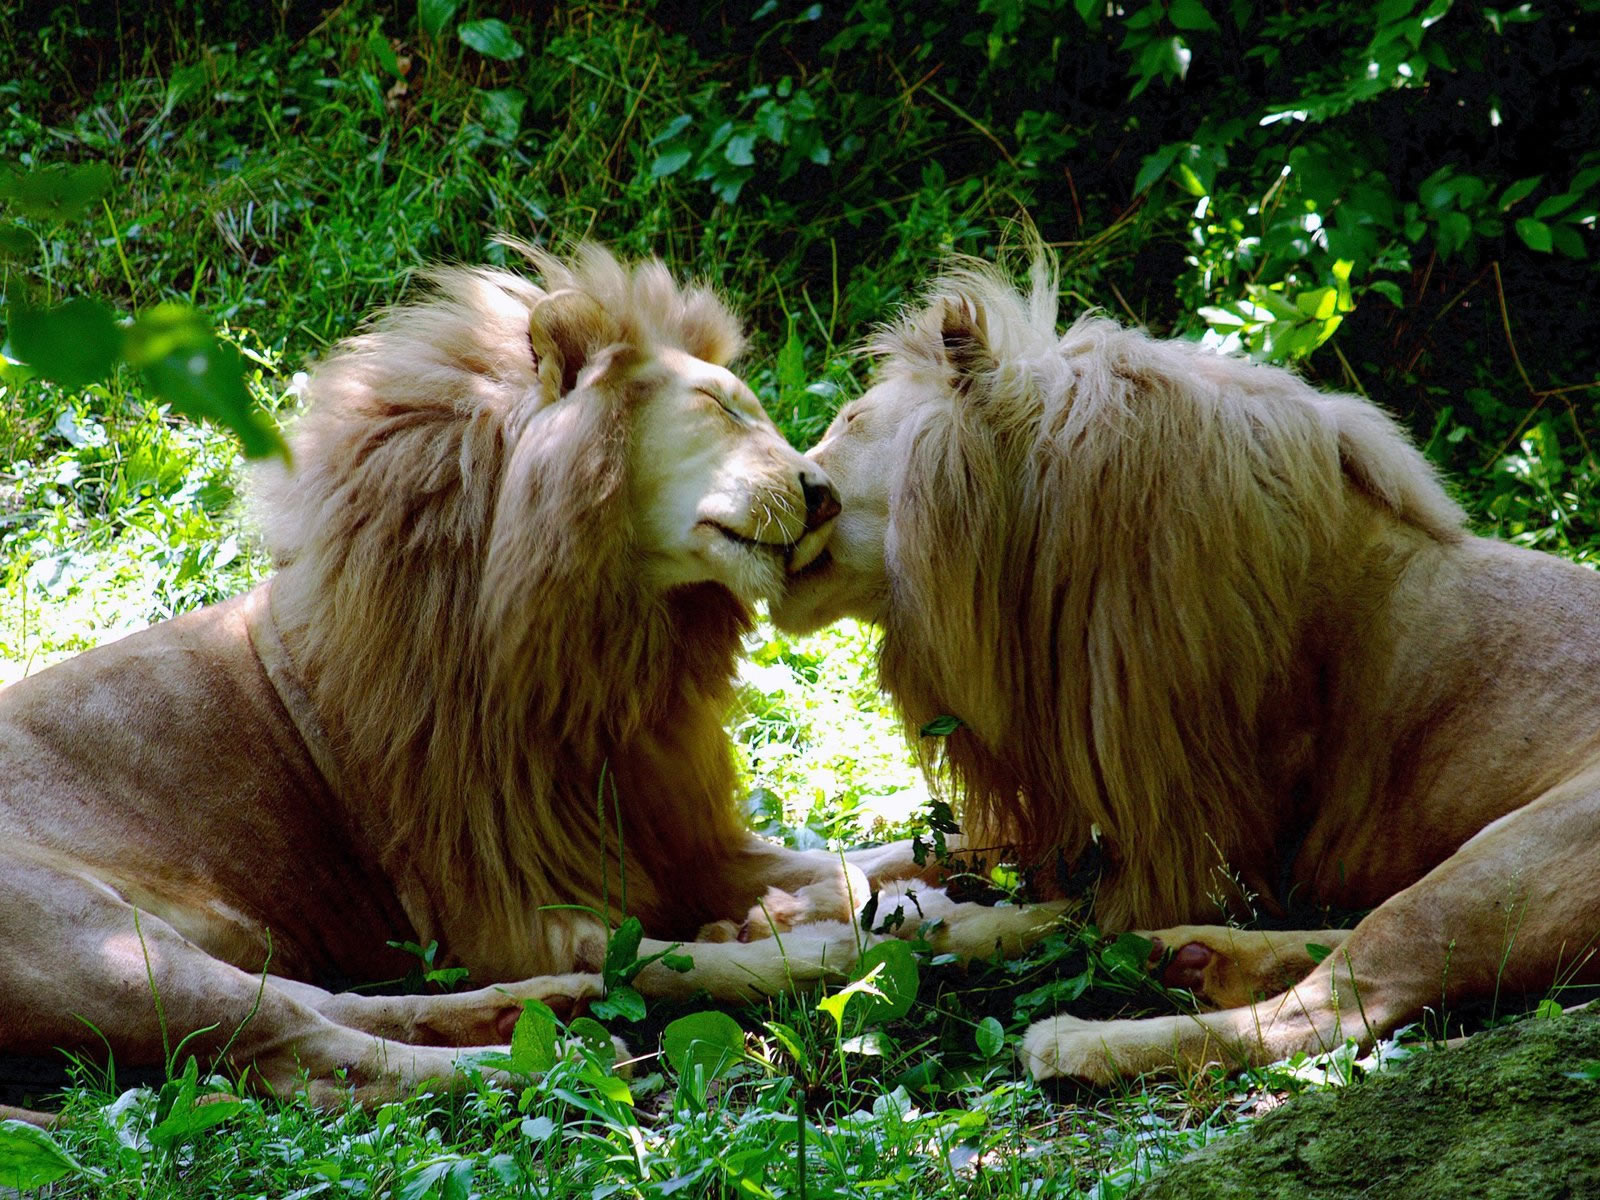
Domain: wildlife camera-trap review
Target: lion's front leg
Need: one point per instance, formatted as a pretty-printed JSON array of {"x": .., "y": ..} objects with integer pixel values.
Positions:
[
  {"x": 785, "y": 889},
  {"x": 482, "y": 1017},
  {"x": 1506, "y": 912}
]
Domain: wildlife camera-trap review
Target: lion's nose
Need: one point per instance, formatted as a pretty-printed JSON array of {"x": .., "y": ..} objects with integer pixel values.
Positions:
[{"x": 822, "y": 500}]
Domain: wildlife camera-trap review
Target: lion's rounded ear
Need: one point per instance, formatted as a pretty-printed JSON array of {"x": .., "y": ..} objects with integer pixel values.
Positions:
[
  {"x": 964, "y": 334},
  {"x": 565, "y": 329}
]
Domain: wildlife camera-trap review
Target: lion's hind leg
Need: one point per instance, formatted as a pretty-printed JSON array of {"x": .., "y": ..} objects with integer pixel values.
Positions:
[
  {"x": 1512, "y": 910},
  {"x": 1227, "y": 968},
  {"x": 81, "y": 969}
]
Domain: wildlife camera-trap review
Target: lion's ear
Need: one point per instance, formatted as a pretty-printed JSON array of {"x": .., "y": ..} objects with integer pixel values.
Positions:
[
  {"x": 964, "y": 334},
  {"x": 566, "y": 329}
]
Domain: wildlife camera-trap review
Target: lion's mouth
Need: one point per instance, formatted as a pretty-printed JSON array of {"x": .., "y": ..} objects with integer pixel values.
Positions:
[{"x": 798, "y": 556}]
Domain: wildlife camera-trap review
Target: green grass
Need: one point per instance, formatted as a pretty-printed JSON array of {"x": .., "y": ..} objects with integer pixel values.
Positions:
[{"x": 283, "y": 184}]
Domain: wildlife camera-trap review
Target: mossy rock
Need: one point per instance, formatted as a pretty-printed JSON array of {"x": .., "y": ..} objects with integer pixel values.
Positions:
[{"x": 1497, "y": 1118}]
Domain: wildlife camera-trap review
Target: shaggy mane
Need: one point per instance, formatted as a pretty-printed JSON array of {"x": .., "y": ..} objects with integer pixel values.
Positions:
[
  {"x": 1102, "y": 557},
  {"x": 457, "y": 589}
]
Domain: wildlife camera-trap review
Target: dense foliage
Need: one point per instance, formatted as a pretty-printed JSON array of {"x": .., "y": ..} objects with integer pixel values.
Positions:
[{"x": 1398, "y": 198}]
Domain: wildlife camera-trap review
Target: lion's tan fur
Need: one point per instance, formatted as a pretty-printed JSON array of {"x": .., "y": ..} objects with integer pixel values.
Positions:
[
  {"x": 1238, "y": 625},
  {"x": 1167, "y": 513},
  {"x": 481, "y": 696},
  {"x": 419, "y": 506}
]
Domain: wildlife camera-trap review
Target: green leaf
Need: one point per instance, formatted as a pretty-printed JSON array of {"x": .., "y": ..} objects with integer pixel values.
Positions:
[
  {"x": 1317, "y": 952},
  {"x": 533, "y": 1041},
  {"x": 207, "y": 380},
  {"x": 1389, "y": 290},
  {"x": 595, "y": 1037},
  {"x": 622, "y": 1001},
  {"x": 1567, "y": 241},
  {"x": 16, "y": 242},
  {"x": 30, "y": 1157},
  {"x": 188, "y": 1119},
  {"x": 990, "y": 1036},
  {"x": 1190, "y": 181},
  {"x": 490, "y": 37},
  {"x": 1156, "y": 165},
  {"x": 378, "y": 46},
  {"x": 56, "y": 193},
  {"x": 1519, "y": 191},
  {"x": 1191, "y": 15},
  {"x": 790, "y": 1041},
  {"x": 711, "y": 1040},
  {"x": 75, "y": 345},
  {"x": 791, "y": 364},
  {"x": 434, "y": 15},
  {"x": 670, "y": 161},
  {"x": 501, "y": 112},
  {"x": 1129, "y": 952},
  {"x": 1548, "y": 1010},
  {"x": 740, "y": 149},
  {"x": 941, "y": 726},
  {"x": 622, "y": 951},
  {"x": 893, "y": 968},
  {"x": 1554, "y": 206},
  {"x": 1535, "y": 234}
]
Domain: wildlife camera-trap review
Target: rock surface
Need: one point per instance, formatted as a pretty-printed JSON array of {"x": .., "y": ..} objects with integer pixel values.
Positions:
[{"x": 1497, "y": 1118}]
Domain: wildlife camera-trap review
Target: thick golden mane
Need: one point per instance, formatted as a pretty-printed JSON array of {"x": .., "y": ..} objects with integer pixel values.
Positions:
[
  {"x": 459, "y": 590},
  {"x": 1103, "y": 555}
]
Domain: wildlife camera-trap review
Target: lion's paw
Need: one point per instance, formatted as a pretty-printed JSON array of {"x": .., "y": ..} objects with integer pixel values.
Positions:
[{"x": 1068, "y": 1048}]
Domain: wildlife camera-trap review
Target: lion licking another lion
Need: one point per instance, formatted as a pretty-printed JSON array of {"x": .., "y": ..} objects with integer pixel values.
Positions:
[
  {"x": 480, "y": 702},
  {"x": 1234, "y": 628},
  {"x": 1229, "y": 626}
]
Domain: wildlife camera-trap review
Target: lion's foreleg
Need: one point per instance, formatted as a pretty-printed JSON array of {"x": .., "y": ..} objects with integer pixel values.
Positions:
[
  {"x": 481, "y": 1017},
  {"x": 1229, "y": 968},
  {"x": 1510, "y": 911}
]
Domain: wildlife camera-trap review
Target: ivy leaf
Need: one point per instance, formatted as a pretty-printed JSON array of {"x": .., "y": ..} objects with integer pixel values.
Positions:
[
  {"x": 941, "y": 726},
  {"x": 1317, "y": 952},
  {"x": 75, "y": 345},
  {"x": 893, "y": 968},
  {"x": 490, "y": 37}
]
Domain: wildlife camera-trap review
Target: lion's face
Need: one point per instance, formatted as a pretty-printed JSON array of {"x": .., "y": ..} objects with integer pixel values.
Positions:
[
  {"x": 716, "y": 493},
  {"x": 849, "y": 578}
]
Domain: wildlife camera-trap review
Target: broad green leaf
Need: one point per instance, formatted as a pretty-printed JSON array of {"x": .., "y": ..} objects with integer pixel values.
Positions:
[
  {"x": 740, "y": 149},
  {"x": 75, "y": 345},
  {"x": 533, "y": 1041},
  {"x": 671, "y": 161},
  {"x": 595, "y": 1037},
  {"x": 1129, "y": 952},
  {"x": 621, "y": 1001},
  {"x": 189, "y": 1118},
  {"x": 673, "y": 128},
  {"x": 1567, "y": 240},
  {"x": 712, "y": 1040},
  {"x": 1519, "y": 191},
  {"x": 1190, "y": 181},
  {"x": 892, "y": 966},
  {"x": 16, "y": 242},
  {"x": 1535, "y": 234},
  {"x": 208, "y": 381},
  {"x": 1554, "y": 206},
  {"x": 1156, "y": 165},
  {"x": 167, "y": 329},
  {"x": 30, "y": 1157},
  {"x": 1317, "y": 952},
  {"x": 1191, "y": 15},
  {"x": 56, "y": 193},
  {"x": 941, "y": 727},
  {"x": 501, "y": 112},
  {"x": 874, "y": 1043},
  {"x": 990, "y": 1036},
  {"x": 490, "y": 37},
  {"x": 1548, "y": 1009},
  {"x": 434, "y": 15}
]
